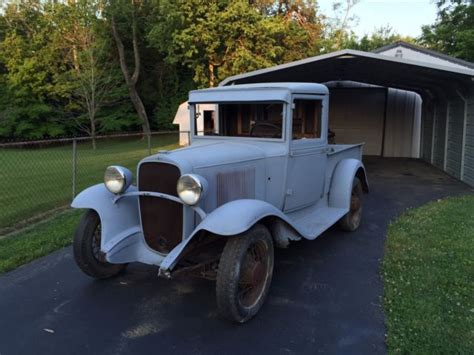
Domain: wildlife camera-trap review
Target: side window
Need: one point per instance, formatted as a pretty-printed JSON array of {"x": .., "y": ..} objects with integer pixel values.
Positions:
[{"x": 306, "y": 119}]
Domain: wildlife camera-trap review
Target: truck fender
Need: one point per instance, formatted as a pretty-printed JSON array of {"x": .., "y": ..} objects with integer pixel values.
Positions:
[
  {"x": 341, "y": 182},
  {"x": 230, "y": 219},
  {"x": 238, "y": 216},
  {"x": 119, "y": 221}
]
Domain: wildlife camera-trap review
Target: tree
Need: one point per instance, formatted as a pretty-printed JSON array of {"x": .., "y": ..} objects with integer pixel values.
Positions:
[
  {"x": 303, "y": 26},
  {"x": 96, "y": 85},
  {"x": 382, "y": 36},
  {"x": 453, "y": 31},
  {"x": 33, "y": 62},
  {"x": 216, "y": 39},
  {"x": 338, "y": 28},
  {"x": 94, "y": 82},
  {"x": 131, "y": 79}
]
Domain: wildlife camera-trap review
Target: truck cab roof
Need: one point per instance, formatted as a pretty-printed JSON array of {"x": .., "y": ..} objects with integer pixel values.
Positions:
[{"x": 256, "y": 92}]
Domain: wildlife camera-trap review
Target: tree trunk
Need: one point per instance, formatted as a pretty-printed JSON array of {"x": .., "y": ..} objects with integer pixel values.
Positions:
[
  {"x": 131, "y": 80},
  {"x": 93, "y": 133},
  {"x": 94, "y": 144},
  {"x": 212, "y": 76},
  {"x": 140, "y": 108}
]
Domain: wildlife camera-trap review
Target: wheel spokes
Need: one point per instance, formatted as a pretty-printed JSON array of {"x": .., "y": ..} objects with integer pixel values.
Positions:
[
  {"x": 96, "y": 242},
  {"x": 253, "y": 274}
]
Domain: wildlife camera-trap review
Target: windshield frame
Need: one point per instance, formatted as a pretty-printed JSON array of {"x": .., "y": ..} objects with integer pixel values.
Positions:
[{"x": 192, "y": 125}]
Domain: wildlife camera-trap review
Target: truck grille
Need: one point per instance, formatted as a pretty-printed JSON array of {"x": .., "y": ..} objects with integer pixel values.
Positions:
[{"x": 162, "y": 220}]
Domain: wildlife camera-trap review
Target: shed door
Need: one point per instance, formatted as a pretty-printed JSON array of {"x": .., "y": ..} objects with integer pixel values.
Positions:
[{"x": 357, "y": 115}]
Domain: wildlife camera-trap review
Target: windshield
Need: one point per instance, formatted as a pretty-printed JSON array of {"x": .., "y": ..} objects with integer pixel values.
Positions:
[{"x": 249, "y": 119}]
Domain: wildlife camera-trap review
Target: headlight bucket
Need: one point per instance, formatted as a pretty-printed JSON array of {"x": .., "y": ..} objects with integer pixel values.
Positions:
[
  {"x": 117, "y": 179},
  {"x": 191, "y": 188}
]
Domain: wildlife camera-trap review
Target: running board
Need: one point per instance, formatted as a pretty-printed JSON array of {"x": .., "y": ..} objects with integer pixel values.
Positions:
[{"x": 314, "y": 220}]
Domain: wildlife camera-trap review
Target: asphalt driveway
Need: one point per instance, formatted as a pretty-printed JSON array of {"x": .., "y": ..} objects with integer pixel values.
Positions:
[{"x": 325, "y": 296}]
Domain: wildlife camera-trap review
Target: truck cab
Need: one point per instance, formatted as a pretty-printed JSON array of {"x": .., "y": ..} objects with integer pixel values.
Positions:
[
  {"x": 287, "y": 121},
  {"x": 258, "y": 174}
]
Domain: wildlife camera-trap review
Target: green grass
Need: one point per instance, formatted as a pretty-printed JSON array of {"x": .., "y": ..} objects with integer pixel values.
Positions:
[
  {"x": 36, "y": 180},
  {"x": 39, "y": 240},
  {"x": 428, "y": 273}
]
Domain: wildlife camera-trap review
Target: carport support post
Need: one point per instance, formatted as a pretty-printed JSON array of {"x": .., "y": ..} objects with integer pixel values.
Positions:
[
  {"x": 384, "y": 124},
  {"x": 446, "y": 133},
  {"x": 464, "y": 129},
  {"x": 433, "y": 131}
]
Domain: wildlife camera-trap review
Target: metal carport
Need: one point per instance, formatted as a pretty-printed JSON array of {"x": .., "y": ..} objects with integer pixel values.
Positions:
[{"x": 447, "y": 132}]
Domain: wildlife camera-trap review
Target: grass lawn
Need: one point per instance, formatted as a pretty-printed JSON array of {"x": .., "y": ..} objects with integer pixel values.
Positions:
[
  {"x": 39, "y": 179},
  {"x": 39, "y": 240},
  {"x": 428, "y": 273}
]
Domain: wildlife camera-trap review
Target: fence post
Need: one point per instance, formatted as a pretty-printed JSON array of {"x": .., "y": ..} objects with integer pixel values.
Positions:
[
  {"x": 149, "y": 143},
  {"x": 74, "y": 167}
]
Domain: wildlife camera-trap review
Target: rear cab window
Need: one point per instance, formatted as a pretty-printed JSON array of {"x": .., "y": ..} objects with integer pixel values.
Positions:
[{"x": 306, "y": 119}]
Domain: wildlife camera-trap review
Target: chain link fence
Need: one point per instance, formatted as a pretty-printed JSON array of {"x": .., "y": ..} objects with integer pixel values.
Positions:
[{"x": 40, "y": 177}]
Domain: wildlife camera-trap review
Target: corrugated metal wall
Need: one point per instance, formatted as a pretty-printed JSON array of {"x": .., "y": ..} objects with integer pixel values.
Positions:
[
  {"x": 451, "y": 121},
  {"x": 439, "y": 134},
  {"x": 357, "y": 115},
  {"x": 455, "y": 133},
  {"x": 380, "y": 117}
]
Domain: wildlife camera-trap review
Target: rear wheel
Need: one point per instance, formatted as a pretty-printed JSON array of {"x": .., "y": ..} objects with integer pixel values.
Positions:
[
  {"x": 244, "y": 274},
  {"x": 86, "y": 247},
  {"x": 351, "y": 221}
]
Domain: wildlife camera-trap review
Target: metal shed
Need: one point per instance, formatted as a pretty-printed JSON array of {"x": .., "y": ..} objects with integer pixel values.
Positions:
[{"x": 445, "y": 86}]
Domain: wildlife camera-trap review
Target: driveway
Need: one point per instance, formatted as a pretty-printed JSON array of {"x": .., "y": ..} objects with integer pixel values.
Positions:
[{"x": 325, "y": 296}]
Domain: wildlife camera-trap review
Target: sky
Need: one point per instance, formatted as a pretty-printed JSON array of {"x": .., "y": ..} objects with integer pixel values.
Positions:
[{"x": 405, "y": 16}]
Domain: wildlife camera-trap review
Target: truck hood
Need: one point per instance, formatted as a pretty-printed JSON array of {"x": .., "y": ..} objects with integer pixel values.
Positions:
[{"x": 201, "y": 155}]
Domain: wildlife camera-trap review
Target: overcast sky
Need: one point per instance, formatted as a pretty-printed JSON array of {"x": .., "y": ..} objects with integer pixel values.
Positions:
[{"x": 405, "y": 16}]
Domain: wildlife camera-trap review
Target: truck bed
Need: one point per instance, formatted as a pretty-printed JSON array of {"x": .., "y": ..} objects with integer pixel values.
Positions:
[
  {"x": 314, "y": 220},
  {"x": 334, "y": 149},
  {"x": 337, "y": 152}
]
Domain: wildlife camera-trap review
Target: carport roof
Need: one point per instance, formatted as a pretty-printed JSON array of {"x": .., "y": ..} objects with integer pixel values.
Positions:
[{"x": 371, "y": 68}]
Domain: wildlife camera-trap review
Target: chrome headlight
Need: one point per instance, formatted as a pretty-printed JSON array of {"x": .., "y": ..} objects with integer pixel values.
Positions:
[
  {"x": 117, "y": 179},
  {"x": 190, "y": 188}
]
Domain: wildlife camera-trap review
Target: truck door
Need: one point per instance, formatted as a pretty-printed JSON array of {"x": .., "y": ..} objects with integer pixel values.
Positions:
[{"x": 308, "y": 151}]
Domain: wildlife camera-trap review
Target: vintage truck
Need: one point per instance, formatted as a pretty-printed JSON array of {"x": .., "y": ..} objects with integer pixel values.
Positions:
[{"x": 258, "y": 174}]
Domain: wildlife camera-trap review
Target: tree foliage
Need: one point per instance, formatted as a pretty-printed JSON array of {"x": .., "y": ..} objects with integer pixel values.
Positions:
[
  {"x": 220, "y": 38},
  {"x": 57, "y": 74},
  {"x": 381, "y": 36},
  {"x": 453, "y": 31}
]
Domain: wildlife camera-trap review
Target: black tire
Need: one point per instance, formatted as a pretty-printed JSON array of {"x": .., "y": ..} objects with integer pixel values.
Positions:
[
  {"x": 351, "y": 221},
  {"x": 86, "y": 247},
  {"x": 244, "y": 274}
]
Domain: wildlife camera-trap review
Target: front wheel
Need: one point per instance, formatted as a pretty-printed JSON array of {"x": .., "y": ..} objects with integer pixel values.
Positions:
[
  {"x": 86, "y": 247},
  {"x": 351, "y": 221},
  {"x": 244, "y": 274}
]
